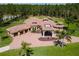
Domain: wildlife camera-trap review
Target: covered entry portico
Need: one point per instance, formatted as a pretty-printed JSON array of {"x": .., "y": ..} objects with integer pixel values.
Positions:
[{"x": 47, "y": 33}]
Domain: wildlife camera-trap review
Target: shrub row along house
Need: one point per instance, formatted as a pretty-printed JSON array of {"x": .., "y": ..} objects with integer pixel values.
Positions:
[{"x": 44, "y": 26}]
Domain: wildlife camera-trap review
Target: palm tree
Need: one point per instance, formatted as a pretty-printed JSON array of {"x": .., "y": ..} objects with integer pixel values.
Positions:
[
  {"x": 25, "y": 50},
  {"x": 68, "y": 38},
  {"x": 67, "y": 35},
  {"x": 60, "y": 36}
]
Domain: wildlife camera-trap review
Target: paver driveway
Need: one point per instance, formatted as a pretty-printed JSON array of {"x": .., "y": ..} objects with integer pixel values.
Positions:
[{"x": 31, "y": 38}]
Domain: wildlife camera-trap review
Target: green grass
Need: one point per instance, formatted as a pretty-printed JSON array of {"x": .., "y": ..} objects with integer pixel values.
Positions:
[
  {"x": 41, "y": 17},
  {"x": 58, "y": 20},
  {"x": 5, "y": 41},
  {"x": 75, "y": 28},
  {"x": 69, "y": 50},
  {"x": 14, "y": 52},
  {"x": 72, "y": 26}
]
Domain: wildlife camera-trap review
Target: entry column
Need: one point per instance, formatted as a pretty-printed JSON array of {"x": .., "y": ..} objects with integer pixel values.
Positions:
[
  {"x": 18, "y": 33},
  {"x": 23, "y": 31},
  {"x": 43, "y": 33}
]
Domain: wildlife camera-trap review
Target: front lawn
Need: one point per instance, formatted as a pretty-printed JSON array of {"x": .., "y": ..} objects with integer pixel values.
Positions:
[
  {"x": 75, "y": 28},
  {"x": 69, "y": 50}
]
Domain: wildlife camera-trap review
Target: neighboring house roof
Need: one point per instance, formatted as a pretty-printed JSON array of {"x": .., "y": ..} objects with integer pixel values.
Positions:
[{"x": 17, "y": 28}]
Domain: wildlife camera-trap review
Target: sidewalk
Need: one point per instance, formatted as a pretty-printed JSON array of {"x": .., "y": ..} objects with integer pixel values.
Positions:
[{"x": 3, "y": 49}]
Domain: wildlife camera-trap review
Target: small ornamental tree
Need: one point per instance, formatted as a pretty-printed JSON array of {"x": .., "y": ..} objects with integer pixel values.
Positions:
[{"x": 25, "y": 50}]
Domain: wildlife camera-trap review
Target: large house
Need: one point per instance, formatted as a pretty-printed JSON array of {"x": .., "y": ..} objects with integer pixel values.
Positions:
[{"x": 44, "y": 26}]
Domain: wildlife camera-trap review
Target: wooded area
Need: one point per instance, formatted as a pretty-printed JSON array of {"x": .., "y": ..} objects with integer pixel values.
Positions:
[{"x": 58, "y": 10}]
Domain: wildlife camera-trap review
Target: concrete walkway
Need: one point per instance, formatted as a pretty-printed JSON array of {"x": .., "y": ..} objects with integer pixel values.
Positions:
[{"x": 3, "y": 49}]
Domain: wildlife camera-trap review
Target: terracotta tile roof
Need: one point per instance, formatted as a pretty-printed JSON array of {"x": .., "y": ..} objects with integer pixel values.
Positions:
[
  {"x": 44, "y": 23},
  {"x": 18, "y": 28},
  {"x": 33, "y": 21},
  {"x": 58, "y": 26}
]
